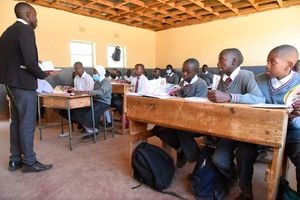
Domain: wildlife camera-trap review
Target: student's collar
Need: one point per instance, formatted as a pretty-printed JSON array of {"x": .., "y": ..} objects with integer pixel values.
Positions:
[
  {"x": 277, "y": 83},
  {"x": 206, "y": 72},
  {"x": 22, "y": 21},
  {"x": 232, "y": 75},
  {"x": 194, "y": 79},
  {"x": 171, "y": 74}
]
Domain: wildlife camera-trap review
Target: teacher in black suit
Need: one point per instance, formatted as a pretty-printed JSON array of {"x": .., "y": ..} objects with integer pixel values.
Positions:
[{"x": 19, "y": 71}]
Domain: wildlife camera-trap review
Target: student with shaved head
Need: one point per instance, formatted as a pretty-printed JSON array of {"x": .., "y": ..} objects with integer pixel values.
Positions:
[
  {"x": 235, "y": 86},
  {"x": 278, "y": 79},
  {"x": 183, "y": 141},
  {"x": 19, "y": 71}
]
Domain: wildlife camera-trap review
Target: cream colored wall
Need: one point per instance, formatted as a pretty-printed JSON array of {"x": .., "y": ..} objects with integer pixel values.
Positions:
[
  {"x": 56, "y": 29},
  {"x": 255, "y": 35}
]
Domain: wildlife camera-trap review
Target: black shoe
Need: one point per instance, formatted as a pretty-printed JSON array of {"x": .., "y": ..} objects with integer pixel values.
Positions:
[
  {"x": 36, "y": 167},
  {"x": 13, "y": 166},
  {"x": 181, "y": 159}
]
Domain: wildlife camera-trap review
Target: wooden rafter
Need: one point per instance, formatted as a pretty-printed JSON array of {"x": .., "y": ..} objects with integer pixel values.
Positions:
[{"x": 163, "y": 14}]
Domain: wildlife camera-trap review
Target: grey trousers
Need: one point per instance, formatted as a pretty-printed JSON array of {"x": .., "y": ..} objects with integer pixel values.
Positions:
[{"x": 22, "y": 127}]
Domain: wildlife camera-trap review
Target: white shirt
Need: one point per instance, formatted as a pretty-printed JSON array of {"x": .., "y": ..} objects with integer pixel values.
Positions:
[
  {"x": 22, "y": 20},
  {"x": 143, "y": 82},
  {"x": 128, "y": 79},
  {"x": 44, "y": 86},
  {"x": 278, "y": 83},
  {"x": 232, "y": 75},
  {"x": 84, "y": 83},
  {"x": 194, "y": 79}
]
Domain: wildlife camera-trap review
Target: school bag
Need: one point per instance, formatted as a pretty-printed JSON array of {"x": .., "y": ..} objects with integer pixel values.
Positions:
[
  {"x": 206, "y": 177},
  {"x": 285, "y": 192},
  {"x": 154, "y": 167}
]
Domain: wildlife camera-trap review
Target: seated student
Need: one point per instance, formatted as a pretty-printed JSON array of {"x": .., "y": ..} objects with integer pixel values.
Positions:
[
  {"x": 296, "y": 67},
  {"x": 128, "y": 76},
  {"x": 139, "y": 81},
  {"x": 156, "y": 73},
  {"x": 102, "y": 91},
  {"x": 182, "y": 141},
  {"x": 206, "y": 75},
  {"x": 235, "y": 86},
  {"x": 274, "y": 84},
  {"x": 82, "y": 80},
  {"x": 171, "y": 77},
  {"x": 114, "y": 75}
]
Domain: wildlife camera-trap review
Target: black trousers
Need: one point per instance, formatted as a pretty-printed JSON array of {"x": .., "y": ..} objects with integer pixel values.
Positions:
[
  {"x": 293, "y": 151},
  {"x": 83, "y": 116},
  {"x": 177, "y": 139},
  {"x": 22, "y": 127}
]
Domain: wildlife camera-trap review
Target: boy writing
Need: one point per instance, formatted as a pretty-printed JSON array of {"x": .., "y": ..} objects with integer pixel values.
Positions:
[{"x": 182, "y": 141}]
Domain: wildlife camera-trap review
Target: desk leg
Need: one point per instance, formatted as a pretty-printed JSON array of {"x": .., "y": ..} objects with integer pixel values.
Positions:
[
  {"x": 124, "y": 114},
  {"x": 275, "y": 173},
  {"x": 70, "y": 125},
  {"x": 93, "y": 119},
  {"x": 39, "y": 115}
]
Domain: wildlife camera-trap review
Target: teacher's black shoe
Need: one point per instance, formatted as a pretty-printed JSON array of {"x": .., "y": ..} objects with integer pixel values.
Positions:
[
  {"x": 13, "y": 166},
  {"x": 36, "y": 167}
]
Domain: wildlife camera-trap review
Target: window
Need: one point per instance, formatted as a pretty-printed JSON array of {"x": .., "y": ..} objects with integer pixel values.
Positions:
[
  {"x": 83, "y": 52},
  {"x": 116, "y": 56}
]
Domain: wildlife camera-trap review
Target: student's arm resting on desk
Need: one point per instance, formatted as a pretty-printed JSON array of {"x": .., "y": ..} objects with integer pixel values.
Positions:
[
  {"x": 252, "y": 94},
  {"x": 29, "y": 52}
]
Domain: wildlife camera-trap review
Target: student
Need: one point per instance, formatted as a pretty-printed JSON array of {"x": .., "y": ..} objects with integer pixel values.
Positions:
[
  {"x": 140, "y": 81},
  {"x": 182, "y": 141},
  {"x": 206, "y": 75},
  {"x": 171, "y": 77},
  {"x": 82, "y": 80},
  {"x": 156, "y": 73},
  {"x": 274, "y": 84},
  {"x": 128, "y": 76},
  {"x": 102, "y": 91},
  {"x": 235, "y": 86},
  {"x": 114, "y": 75}
]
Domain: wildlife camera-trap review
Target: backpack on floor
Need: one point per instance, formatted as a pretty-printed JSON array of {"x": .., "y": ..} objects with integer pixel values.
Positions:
[
  {"x": 206, "y": 177},
  {"x": 285, "y": 192},
  {"x": 154, "y": 167}
]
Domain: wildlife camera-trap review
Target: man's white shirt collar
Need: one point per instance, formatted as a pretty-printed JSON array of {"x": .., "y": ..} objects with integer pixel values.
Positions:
[
  {"x": 278, "y": 83},
  {"x": 194, "y": 79},
  {"x": 22, "y": 21},
  {"x": 232, "y": 75}
]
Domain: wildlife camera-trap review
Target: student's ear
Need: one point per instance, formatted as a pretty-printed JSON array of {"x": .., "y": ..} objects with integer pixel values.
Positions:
[
  {"x": 290, "y": 65},
  {"x": 234, "y": 62}
]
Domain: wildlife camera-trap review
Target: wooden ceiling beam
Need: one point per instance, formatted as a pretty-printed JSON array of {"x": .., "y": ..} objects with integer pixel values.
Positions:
[
  {"x": 229, "y": 5},
  {"x": 255, "y": 5},
  {"x": 280, "y": 3},
  {"x": 207, "y": 8}
]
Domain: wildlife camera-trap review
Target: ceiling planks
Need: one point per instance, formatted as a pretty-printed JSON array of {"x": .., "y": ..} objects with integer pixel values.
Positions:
[{"x": 159, "y": 15}]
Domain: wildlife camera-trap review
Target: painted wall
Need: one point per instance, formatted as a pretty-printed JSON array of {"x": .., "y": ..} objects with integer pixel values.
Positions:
[
  {"x": 56, "y": 29},
  {"x": 255, "y": 35}
]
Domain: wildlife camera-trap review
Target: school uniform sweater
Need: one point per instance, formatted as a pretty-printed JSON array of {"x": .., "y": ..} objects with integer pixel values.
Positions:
[
  {"x": 243, "y": 89},
  {"x": 102, "y": 91},
  {"x": 275, "y": 96},
  {"x": 197, "y": 88}
]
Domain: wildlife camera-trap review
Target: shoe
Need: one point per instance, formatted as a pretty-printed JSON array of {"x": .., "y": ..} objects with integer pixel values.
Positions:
[
  {"x": 90, "y": 130},
  {"x": 36, "y": 167},
  {"x": 244, "y": 196},
  {"x": 13, "y": 166},
  {"x": 181, "y": 159}
]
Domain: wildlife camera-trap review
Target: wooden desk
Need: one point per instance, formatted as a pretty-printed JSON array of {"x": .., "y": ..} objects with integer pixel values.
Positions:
[
  {"x": 122, "y": 89},
  {"x": 232, "y": 121},
  {"x": 66, "y": 102}
]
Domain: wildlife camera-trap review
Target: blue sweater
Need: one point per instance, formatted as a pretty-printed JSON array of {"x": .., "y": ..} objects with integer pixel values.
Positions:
[{"x": 275, "y": 96}]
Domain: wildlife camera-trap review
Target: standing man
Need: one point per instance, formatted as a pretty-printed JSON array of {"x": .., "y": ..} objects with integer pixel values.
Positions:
[{"x": 19, "y": 71}]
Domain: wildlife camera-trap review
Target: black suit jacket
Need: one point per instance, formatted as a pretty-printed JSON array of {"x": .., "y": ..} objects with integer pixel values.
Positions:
[{"x": 19, "y": 58}]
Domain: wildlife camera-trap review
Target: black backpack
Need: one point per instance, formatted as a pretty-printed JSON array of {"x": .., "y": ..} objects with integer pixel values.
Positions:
[
  {"x": 206, "y": 177},
  {"x": 154, "y": 167}
]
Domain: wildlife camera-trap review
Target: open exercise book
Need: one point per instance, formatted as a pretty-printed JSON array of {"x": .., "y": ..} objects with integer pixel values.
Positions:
[
  {"x": 47, "y": 66},
  {"x": 289, "y": 98}
]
